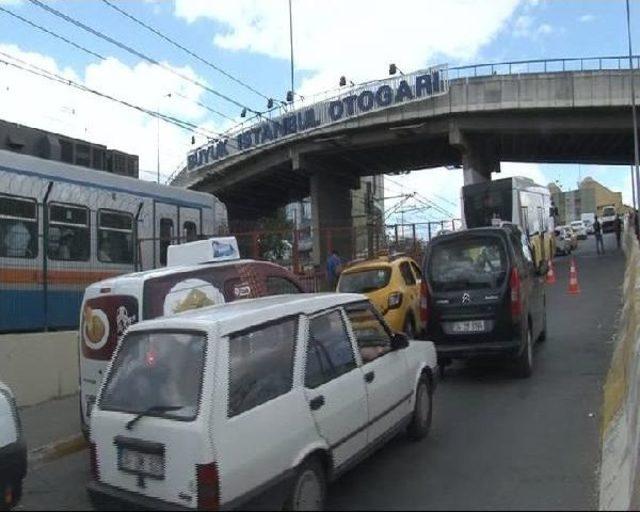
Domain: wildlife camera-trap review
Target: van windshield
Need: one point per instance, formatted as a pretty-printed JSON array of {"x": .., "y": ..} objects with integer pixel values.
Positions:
[
  {"x": 158, "y": 371},
  {"x": 467, "y": 263},
  {"x": 364, "y": 281}
]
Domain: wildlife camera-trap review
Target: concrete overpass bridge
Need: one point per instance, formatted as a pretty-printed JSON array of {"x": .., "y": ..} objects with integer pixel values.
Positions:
[{"x": 544, "y": 111}]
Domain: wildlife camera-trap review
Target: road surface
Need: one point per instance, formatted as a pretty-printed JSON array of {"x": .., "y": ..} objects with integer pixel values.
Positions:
[{"x": 497, "y": 442}]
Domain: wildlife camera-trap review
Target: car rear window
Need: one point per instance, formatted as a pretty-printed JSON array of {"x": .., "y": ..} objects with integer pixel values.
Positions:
[
  {"x": 155, "y": 370},
  {"x": 467, "y": 263},
  {"x": 363, "y": 281}
]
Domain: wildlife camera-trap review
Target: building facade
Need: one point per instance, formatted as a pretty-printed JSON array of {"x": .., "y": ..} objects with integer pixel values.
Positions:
[
  {"x": 590, "y": 197},
  {"x": 53, "y": 146}
]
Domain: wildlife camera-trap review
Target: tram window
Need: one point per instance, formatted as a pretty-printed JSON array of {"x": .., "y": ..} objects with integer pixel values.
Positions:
[
  {"x": 166, "y": 234},
  {"x": 190, "y": 231},
  {"x": 115, "y": 237},
  {"x": 68, "y": 233},
  {"x": 18, "y": 227}
]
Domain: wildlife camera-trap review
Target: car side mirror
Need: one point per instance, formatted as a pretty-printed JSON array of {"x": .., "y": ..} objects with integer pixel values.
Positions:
[{"x": 399, "y": 341}]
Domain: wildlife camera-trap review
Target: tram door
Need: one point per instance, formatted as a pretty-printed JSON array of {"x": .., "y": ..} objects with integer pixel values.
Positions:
[
  {"x": 167, "y": 220},
  {"x": 190, "y": 224}
]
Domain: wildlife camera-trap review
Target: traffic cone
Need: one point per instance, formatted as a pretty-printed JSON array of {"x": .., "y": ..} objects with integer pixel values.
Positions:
[
  {"x": 551, "y": 274},
  {"x": 574, "y": 287}
]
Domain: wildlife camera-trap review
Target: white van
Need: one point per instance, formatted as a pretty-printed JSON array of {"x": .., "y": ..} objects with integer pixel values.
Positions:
[
  {"x": 255, "y": 404},
  {"x": 200, "y": 273},
  {"x": 13, "y": 451}
]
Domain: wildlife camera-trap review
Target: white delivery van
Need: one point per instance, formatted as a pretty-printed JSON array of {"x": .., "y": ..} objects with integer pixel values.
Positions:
[
  {"x": 13, "y": 451},
  {"x": 200, "y": 273},
  {"x": 259, "y": 403}
]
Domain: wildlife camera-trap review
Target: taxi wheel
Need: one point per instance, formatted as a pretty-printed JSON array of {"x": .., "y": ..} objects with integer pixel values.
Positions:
[
  {"x": 422, "y": 412},
  {"x": 524, "y": 362},
  {"x": 309, "y": 490}
]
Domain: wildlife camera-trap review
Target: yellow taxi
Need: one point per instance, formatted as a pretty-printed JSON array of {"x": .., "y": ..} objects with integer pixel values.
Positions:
[{"x": 393, "y": 284}]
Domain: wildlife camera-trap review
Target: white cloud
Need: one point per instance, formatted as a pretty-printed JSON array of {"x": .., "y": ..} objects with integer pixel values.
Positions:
[
  {"x": 356, "y": 38},
  {"x": 544, "y": 29},
  {"x": 586, "y": 18},
  {"x": 40, "y": 103}
]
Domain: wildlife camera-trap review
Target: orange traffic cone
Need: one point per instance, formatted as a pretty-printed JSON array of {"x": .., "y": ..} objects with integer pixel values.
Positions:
[
  {"x": 551, "y": 274},
  {"x": 574, "y": 287}
]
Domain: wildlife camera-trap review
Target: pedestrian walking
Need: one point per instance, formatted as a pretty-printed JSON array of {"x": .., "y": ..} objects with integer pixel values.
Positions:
[
  {"x": 597, "y": 231},
  {"x": 617, "y": 227},
  {"x": 334, "y": 268}
]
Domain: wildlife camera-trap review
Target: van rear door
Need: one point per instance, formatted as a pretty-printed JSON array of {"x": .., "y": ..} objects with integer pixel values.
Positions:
[
  {"x": 468, "y": 278},
  {"x": 105, "y": 317}
]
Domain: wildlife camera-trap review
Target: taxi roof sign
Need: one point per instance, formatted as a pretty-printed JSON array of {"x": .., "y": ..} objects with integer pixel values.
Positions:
[{"x": 203, "y": 251}]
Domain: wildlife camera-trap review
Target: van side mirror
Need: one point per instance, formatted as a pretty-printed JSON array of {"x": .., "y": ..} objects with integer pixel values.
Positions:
[{"x": 399, "y": 341}]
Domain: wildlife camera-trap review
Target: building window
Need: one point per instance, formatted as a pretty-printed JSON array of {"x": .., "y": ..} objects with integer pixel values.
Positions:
[
  {"x": 18, "y": 227},
  {"x": 115, "y": 237},
  {"x": 68, "y": 233}
]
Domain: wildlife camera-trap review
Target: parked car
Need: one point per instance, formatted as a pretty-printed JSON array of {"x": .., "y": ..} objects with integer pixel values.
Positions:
[
  {"x": 580, "y": 229},
  {"x": 13, "y": 451},
  {"x": 563, "y": 241},
  {"x": 259, "y": 402},
  {"x": 485, "y": 296},
  {"x": 210, "y": 273},
  {"x": 392, "y": 283}
]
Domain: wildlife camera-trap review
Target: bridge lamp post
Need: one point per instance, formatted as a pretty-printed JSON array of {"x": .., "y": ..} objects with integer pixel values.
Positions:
[
  {"x": 634, "y": 114},
  {"x": 343, "y": 82}
]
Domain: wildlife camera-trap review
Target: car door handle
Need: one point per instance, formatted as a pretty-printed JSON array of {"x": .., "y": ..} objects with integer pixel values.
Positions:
[
  {"x": 370, "y": 377},
  {"x": 317, "y": 403}
]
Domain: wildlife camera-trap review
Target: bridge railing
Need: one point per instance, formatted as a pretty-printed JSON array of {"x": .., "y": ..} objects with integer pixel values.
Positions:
[{"x": 517, "y": 67}]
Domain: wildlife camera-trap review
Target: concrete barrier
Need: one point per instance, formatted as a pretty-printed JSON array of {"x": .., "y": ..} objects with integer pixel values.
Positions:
[
  {"x": 39, "y": 366},
  {"x": 619, "y": 478}
]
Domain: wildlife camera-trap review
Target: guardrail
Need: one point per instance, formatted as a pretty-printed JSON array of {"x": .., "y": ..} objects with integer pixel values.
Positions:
[{"x": 621, "y": 408}]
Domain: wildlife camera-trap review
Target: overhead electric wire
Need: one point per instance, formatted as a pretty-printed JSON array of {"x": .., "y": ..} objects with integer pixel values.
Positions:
[
  {"x": 36, "y": 70},
  {"x": 137, "y": 53},
  {"x": 184, "y": 49},
  {"x": 51, "y": 33},
  {"x": 103, "y": 58}
]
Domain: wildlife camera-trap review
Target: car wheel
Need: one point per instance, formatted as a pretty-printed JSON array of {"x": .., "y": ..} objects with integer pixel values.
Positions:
[
  {"x": 524, "y": 363},
  {"x": 409, "y": 329},
  {"x": 309, "y": 490},
  {"x": 422, "y": 411}
]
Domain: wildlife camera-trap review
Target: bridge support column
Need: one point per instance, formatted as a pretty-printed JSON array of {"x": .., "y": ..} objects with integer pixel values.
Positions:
[
  {"x": 331, "y": 215},
  {"x": 479, "y": 156}
]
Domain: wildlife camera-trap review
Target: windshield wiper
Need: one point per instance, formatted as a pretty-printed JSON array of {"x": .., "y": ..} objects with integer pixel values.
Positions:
[{"x": 151, "y": 410}]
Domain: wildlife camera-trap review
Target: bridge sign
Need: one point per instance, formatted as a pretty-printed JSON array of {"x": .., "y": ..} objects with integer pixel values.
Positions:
[{"x": 361, "y": 100}]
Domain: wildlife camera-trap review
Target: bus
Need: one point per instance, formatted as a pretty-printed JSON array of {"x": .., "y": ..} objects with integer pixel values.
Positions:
[
  {"x": 63, "y": 227},
  {"x": 516, "y": 200}
]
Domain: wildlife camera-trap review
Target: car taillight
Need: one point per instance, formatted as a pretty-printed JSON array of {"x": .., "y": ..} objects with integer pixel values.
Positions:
[
  {"x": 208, "y": 486},
  {"x": 93, "y": 462},
  {"x": 516, "y": 300},
  {"x": 395, "y": 300},
  {"x": 424, "y": 303}
]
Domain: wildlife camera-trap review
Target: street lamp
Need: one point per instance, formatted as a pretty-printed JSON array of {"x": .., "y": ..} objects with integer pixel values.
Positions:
[
  {"x": 633, "y": 110},
  {"x": 167, "y": 95},
  {"x": 393, "y": 69},
  {"x": 343, "y": 82}
]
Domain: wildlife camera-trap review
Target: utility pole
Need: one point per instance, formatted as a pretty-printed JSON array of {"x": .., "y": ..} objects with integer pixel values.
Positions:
[
  {"x": 293, "y": 92},
  {"x": 633, "y": 108}
]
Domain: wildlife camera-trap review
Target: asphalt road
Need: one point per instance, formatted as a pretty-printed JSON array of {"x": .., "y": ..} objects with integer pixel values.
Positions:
[{"x": 497, "y": 442}]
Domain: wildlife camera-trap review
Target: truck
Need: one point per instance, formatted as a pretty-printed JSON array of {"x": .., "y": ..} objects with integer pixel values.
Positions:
[{"x": 608, "y": 218}]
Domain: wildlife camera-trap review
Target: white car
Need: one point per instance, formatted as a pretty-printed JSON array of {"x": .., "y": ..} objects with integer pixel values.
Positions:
[
  {"x": 260, "y": 402},
  {"x": 580, "y": 229},
  {"x": 13, "y": 451}
]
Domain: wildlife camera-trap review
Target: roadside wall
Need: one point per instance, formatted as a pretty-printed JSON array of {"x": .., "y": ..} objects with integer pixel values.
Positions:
[
  {"x": 619, "y": 479},
  {"x": 39, "y": 366}
]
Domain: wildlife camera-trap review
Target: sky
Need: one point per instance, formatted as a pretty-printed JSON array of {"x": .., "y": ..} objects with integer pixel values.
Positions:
[{"x": 249, "y": 41}]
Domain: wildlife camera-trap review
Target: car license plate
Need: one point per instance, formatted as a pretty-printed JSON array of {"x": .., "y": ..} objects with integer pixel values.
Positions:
[
  {"x": 468, "y": 326},
  {"x": 140, "y": 463}
]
